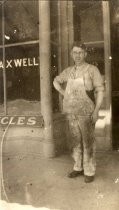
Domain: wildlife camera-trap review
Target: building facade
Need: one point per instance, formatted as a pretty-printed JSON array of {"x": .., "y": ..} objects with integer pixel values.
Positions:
[{"x": 35, "y": 43}]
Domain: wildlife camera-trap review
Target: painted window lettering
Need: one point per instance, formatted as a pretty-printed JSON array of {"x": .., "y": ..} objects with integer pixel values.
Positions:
[
  {"x": 20, "y": 62},
  {"x": 18, "y": 120}
]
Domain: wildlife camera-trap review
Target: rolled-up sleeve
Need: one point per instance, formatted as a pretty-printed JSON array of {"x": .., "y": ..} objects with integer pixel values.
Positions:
[{"x": 98, "y": 81}]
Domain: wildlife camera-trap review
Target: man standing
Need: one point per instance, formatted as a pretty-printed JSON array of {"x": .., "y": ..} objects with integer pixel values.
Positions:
[{"x": 83, "y": 97}]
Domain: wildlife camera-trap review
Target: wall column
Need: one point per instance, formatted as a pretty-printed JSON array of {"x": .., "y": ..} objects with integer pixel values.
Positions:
[
  {"x": 65, "y": 36},
  {"x": 107, "y": 51},
  {"x": 45, "y": 80}
]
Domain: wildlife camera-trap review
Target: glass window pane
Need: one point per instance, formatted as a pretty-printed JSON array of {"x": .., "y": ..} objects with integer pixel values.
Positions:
[
  {"x": 92, "y": 23},
  {"x": 95, "y": 56},
  {"x": 88, "y": 21},
  {"x": 88, "y": 27},
  {"x": 23, "y": 79},
  {"x": 21, "y": 21}
]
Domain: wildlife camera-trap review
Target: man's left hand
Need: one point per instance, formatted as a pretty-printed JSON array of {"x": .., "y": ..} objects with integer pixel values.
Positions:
[{"x": 94, "y": 117}]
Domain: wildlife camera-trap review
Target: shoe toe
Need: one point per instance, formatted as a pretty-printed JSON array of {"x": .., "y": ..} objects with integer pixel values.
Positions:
[
  {"x": 89, "y": 179},
  {"x": 74, "y": 174}
]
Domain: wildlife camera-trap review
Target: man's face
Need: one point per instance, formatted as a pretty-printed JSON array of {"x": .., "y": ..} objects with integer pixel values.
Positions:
[{"x": 78, "y": 55}]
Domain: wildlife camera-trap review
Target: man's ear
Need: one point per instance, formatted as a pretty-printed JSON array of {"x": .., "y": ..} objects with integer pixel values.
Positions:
[{"x": 71, "y": 53}]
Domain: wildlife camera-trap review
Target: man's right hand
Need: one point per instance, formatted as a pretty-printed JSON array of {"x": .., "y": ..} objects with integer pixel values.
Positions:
[
  {"x": 61, "y": 91},
  {"x": 58, "y": 87}
]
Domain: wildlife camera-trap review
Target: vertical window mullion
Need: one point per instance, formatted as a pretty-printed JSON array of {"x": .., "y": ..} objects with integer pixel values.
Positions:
[{"x": 4, "y": 67}]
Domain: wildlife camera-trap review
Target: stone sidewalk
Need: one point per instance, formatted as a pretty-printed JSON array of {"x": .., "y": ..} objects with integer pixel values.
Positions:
[{"x": 32, "y": 182}]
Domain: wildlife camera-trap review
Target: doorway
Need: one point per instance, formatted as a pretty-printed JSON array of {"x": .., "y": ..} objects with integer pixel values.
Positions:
[
  {"x": 114, "y": 11},
  {"x": 115, "y": 86}
]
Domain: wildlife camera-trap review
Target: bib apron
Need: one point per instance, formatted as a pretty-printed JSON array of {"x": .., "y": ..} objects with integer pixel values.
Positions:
[{"x": 79, "y": 107}]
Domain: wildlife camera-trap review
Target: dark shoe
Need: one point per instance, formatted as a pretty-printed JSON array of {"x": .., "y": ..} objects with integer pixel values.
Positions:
[
  {"x": 89, "y": 179},
  {"x": 74, "y": 174}
]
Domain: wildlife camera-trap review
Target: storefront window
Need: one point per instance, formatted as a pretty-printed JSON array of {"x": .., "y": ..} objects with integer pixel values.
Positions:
[
  {"x": 77, "y": 20},
  {"x": 88, "y": 27},
  {"x": 23, "y": 79},
  {"x": 20, "y": 24},
  {"x": 21, "y": 21}
]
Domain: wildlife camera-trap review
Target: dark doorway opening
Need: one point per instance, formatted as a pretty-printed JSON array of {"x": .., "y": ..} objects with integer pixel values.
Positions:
[{"x": 115, "y": 74}]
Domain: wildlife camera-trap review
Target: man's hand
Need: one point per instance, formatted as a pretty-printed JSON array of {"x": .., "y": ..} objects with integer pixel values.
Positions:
[
  {"x": 99, "y": 100},
  {"x": 61, "y": 91},
  {"x": 58, "y": 87},
  {"x": 94, "y": 117}
]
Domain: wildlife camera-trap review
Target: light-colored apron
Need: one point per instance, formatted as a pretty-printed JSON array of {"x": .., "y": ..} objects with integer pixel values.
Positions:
[
  {"x": 79, "y": 108},
  {"x": 76, "y": 100}
]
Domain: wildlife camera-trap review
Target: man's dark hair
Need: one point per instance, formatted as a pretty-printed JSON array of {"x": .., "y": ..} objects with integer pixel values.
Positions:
[{"x": 79, "y": 44}]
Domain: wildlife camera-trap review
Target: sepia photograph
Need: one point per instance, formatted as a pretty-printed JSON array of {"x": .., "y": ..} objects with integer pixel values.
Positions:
[{"x": 59, "y": 105}]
